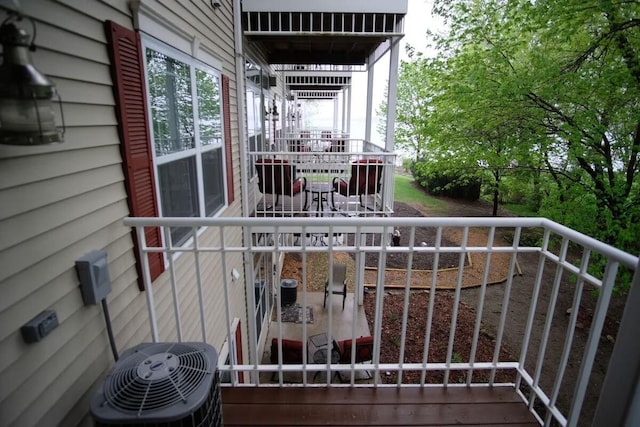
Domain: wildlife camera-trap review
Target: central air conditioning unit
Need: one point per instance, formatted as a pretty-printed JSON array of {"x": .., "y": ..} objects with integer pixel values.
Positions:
[{"x": 161, "y": 384}]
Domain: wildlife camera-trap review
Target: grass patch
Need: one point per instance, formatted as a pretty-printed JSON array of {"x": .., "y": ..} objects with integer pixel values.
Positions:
[
  {"x": 318, "y": 177},
  {"x": 406, "y": 192},
  {"x": 520, "y": 210}
]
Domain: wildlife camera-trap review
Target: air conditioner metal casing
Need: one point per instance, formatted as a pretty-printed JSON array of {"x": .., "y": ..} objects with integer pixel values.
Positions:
[{"x": 161, "y": 384}]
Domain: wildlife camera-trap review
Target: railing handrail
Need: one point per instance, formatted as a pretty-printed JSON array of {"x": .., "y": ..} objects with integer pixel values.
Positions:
[{"x": 287, "y": 224}]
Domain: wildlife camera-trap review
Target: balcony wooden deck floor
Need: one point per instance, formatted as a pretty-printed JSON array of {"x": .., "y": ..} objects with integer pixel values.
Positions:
[{"x": 295, "y": 406}]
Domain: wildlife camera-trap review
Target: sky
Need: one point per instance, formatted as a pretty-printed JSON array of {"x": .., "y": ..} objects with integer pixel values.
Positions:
[{"x": 417, "y": 21}]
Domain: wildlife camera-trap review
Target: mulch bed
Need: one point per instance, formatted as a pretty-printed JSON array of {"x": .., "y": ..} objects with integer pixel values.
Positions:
[
  {"x": 423, "y": 236},
  {"x": 439, "y": 341}
]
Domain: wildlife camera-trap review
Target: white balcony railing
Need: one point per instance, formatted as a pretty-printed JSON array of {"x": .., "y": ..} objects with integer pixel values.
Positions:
[
  {"x": 322, "y": 174},
  {"x": 316, "y": 68},
  {"x": 569, "y": 256}
]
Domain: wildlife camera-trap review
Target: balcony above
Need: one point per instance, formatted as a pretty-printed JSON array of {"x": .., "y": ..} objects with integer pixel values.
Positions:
[
  {"x": 305, "y": 81},
  {"x": 322, "y": 173},
  {"x": 317, "y": 94},
  {"x": 330, "y": 32}
]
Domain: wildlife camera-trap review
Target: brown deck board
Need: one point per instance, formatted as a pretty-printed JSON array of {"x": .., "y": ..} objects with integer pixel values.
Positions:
[{"x": 295, "y": 406}]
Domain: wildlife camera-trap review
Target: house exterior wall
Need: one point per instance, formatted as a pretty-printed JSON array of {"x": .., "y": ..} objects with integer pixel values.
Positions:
[{"x": 59, "y": 202}]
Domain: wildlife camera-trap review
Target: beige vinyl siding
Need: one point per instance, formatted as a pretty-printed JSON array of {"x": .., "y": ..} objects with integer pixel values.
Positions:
[
  {"x": 41, "y": 237},
  {"x": 56, "y": 163},
  {"x": 28, "y": 281},
  {"x": 58, "y": 215},
  {"x": 59, "y": 202},
  {"x": 38, "y": 194}
]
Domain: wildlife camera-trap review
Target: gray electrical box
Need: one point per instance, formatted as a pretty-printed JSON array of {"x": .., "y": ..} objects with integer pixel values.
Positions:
[
  {"x": 93, "y": 271},
  {"x": 40, "y": 326}
]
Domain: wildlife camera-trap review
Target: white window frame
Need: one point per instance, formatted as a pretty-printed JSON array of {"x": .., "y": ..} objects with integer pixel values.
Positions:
[{"x": 213, "y": 69}]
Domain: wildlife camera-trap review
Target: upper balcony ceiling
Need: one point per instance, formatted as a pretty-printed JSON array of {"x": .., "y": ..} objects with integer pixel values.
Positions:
[{"x": 327, "y": 32}]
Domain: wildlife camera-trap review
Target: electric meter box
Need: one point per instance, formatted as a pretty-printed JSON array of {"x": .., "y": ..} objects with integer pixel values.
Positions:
[{"x": 93, "y": 272}]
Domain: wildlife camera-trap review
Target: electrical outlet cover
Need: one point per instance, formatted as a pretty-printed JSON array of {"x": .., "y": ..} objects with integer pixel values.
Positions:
[{"x": 93, "y": 272}]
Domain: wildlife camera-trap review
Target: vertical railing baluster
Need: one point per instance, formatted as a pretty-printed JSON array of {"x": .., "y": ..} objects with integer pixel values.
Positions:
[
  {"x": 250, "y": 284},
  {"x": 407, "y": 294},
  {"x": 432, "y": 297},
  {"x": 537, "y": 285},
  {"x": 329, "y": 301},
  {"x": 275, "y": 283},
  {"x": 481, "y": 297},
  {"x": 549, "y": 317},
  {"x": 591, "y": 348},
  {"x": 174, "y": 282},
  {"x": 377, "y": 340},
  {"x": 573, "y": 319},
  {"x": 146, "y": 274},
  {"x": 359, "y": 265},
  {"x": 227, "y": 304},
  {"x": 196, "y": 256},
  {"x": 505, "y": 303},
  {"x": 304, "y": 285},
  {"x": 456, "y": 304}
]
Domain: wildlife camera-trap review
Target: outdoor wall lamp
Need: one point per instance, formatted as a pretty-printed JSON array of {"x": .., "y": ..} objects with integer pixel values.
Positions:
[
  {"x": 26, "y": 96},
  {"x": 273, "y": 111}
]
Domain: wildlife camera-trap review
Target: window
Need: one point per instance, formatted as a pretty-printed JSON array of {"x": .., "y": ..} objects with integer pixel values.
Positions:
[{"x": 186, "y": 130}]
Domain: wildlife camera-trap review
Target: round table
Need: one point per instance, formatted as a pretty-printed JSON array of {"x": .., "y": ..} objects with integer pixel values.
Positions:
[{"x": 319, "y": 194}]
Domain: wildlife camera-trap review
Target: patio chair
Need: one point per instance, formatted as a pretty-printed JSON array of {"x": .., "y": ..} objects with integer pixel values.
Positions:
[
  {"x": 365, "y": 180},
  {"x": 291, "y": 352},
  {"x": 277, "y": 177},
  {"x": 339, "y": 284},
  {"x": 298, "y": 146},
  {"x": 364, "y": 351}
]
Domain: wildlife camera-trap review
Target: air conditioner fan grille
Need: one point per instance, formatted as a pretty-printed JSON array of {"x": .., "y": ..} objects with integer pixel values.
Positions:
[{"x": 156, "y": 377}]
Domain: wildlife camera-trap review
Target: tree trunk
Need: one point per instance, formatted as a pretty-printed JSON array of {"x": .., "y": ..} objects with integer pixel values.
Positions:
[{"x": 496, "y": 191}]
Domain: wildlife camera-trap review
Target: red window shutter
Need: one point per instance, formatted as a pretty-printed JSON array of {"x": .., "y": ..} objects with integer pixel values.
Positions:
[
  {"x": 226, "y": 109},
  {"x": 129, "y": 89}
]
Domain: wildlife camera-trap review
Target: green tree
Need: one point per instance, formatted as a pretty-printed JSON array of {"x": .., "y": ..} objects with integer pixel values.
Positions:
[
  {"x": 529, "y": 87},
  {"x": 413, "y": 103}
]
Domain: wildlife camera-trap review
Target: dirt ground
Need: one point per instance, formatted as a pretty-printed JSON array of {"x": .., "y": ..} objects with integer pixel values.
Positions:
[{"x": 520, "y": 298}]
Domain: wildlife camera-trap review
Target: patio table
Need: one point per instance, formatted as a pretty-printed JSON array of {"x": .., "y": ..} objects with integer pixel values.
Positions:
[{"x": 319, "y": 194}]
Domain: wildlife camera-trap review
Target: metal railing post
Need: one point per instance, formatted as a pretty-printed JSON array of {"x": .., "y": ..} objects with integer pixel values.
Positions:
[{"x": 619, "y": 403}]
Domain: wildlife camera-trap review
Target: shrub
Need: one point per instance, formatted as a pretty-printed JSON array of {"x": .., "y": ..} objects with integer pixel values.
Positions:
[{"x": 454, "y": 184}]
